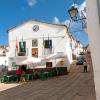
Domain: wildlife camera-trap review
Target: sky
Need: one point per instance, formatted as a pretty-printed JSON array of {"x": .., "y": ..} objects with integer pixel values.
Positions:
[{"x": 14, "y": 12}]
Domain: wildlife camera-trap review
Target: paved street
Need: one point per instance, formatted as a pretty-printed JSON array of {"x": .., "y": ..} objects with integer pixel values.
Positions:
[{"x": 74, "y": 86}]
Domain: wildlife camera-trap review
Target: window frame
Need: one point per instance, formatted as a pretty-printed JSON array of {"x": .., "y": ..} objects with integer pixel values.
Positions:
[
  {"x": 46, "y": 44},
  {"x": 35, "y": 40}
]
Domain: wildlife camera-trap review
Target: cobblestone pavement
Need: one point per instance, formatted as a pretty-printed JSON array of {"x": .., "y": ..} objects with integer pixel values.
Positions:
[{"x": 74, "y": 86}]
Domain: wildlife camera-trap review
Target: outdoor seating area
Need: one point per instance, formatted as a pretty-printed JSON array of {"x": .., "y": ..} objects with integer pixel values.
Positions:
[{"x": 33, "y": 74}]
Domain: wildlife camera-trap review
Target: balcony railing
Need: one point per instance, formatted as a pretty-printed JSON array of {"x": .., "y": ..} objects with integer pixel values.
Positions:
[{"x": 21, "y": 53}]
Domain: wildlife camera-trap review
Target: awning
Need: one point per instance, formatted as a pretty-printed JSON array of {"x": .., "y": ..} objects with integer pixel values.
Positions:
[
  {"x": 19, "y": 59},
  {"x": 30, "y": 60},
  {"x": 56, "y": 56}
]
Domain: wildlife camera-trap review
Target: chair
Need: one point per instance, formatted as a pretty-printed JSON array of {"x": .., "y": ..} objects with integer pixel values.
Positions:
[
  {"x": 50, "y": 74},
  {"x": 36, "y": 75},
  {"x": 42, "y": 75},
  {"x": 27, "y": 77},
  {"x": 31, "y": 75},
  {"x": 4, "y": 78},
  {"x": 54, "y": 73},
  {"x": 14, "y": 78}
]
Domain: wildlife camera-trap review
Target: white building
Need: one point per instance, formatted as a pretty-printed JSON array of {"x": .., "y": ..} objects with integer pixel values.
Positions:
[
  {"x": 73, "y": 47},
  {"x": 79, "y": 47},
  {"x": 4, "y": 49},
  {"x": 93, "y": 28},
  {"x": 76, "y": 46},
  {"x": 39, "y": 39}
]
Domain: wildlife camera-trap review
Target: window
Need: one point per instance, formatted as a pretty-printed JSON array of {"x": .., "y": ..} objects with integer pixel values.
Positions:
[
  {"x": 22, "y": 46},
  {"x": 22, "y": 49},
  {"x": 34, "y": 52},
  {"x": 47, "y": 43},
  {"x": 34, "y": 43},
  {"x": 47, "y": 51}
]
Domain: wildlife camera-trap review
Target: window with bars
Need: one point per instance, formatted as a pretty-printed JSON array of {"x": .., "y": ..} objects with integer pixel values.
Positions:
[
  {"x": 22, "y": 46},
  {"x": 47, "y": 43}
]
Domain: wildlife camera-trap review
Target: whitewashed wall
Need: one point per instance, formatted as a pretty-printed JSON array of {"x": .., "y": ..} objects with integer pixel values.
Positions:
[
  {"x": 56, "y": 33},
  {"x": 28, "y": 34},
  {"x": 93, "y": 28},
  {"x": 2, "y": 61}
]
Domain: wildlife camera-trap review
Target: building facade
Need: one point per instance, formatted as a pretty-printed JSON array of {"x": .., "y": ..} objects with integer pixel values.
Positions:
[
  {"x": 4, "y": 53},
  {"x": 79, "y": 48},
  {"x": 93, "y": 29},
  {"x": 39, "y": 39}
]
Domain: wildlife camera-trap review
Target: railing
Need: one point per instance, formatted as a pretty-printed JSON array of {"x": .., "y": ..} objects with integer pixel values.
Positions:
[{"x": 21, "y": 53}]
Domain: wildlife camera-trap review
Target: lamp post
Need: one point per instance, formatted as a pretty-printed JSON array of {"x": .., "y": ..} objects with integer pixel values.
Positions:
[
  {"x": 77, "y": 16},
  {"x": 73, "y": 12}
]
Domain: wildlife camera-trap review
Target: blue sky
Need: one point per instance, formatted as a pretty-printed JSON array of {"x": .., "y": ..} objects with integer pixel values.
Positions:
[{"x": 14, "y": 12}]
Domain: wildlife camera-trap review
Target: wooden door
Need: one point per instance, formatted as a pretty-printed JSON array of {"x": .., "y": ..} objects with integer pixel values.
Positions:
[{"x": 34, "y": 52}]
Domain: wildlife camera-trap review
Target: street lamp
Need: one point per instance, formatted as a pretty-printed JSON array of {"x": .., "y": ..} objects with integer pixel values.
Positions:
[{"x": 73, "y": 12}]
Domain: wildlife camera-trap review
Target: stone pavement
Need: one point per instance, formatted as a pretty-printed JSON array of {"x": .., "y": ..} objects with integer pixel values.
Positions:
[
  {"x": 4, "y": 86},
  {"x": 74, "y": 86}
]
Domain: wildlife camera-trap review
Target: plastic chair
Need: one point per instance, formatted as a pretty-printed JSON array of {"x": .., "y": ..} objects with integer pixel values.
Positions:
[
  {"x": 5, "y": 78},
  {"x": 54, "y": 73},
  {"x": 36, "y": 75},
  {"x": 14, "y": 78},
  {"x": 42, "y": 75},
  {"x": 26, "y": 76},
  {"x": 50, "y": 74}
]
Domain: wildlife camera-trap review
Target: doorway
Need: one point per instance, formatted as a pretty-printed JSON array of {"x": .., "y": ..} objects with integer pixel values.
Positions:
[
  {"x": 23, "y": 68},
  {"x": 48, "y": 64},
  {"x": 34, "y": 52}
]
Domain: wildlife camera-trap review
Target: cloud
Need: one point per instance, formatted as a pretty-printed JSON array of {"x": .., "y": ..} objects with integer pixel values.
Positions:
[
  {"x": 66, "y": 22},
  {"x": 82, "y": 8},
  {"x": 31, "y": 3},
  {"x": 56, "y": 20},
  {"x": 75, "y": 5},
  {"x": 73, "y": 26}
]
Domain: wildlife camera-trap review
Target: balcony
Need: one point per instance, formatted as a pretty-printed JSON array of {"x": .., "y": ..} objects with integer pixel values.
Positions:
[{"x": 21, "y": 53}]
